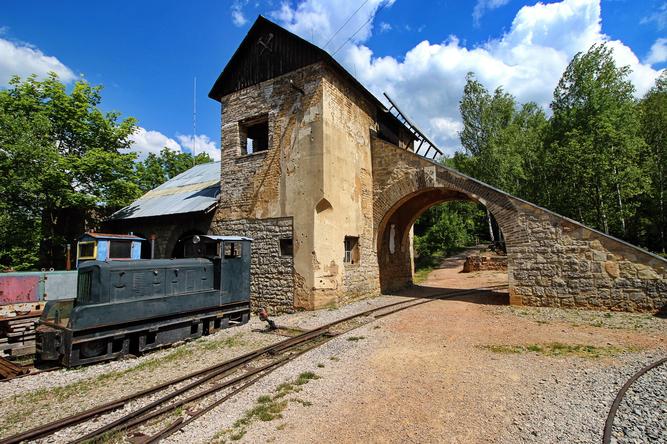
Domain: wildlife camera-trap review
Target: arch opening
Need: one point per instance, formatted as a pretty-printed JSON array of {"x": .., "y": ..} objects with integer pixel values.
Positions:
[{"x": 396, "y": 242}]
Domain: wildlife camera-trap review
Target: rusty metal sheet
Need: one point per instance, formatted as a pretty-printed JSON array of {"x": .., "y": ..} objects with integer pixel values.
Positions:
[{"x": 20, "y": 287}]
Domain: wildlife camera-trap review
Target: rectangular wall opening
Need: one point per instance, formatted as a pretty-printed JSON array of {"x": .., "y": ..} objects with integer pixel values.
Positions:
[
  {"x": 286, "y": 247},
  {"x": 351, "y": 250},
  {"x": 254, "y": 135}
]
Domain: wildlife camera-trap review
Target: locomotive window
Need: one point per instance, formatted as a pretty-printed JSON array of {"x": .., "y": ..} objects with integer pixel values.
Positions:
[
  {"x": 120, "y": 250},
  {"x": 232, "y": 249},
  {"x": 286, "y": 247},
  {"x": 87, "y": 250}
]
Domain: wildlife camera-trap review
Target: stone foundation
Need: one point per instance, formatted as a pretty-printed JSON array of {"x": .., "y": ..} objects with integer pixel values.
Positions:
[
  {"x": 485, "y": 263},
  {"x": 271, "y": 275}
]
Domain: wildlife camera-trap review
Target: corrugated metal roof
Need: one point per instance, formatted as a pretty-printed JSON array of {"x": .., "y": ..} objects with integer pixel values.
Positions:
[{"x": 193, "y": 190}]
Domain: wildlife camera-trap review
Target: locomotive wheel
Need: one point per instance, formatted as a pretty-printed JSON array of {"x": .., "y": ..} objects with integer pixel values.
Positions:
[{"x": 93, "y": 349}]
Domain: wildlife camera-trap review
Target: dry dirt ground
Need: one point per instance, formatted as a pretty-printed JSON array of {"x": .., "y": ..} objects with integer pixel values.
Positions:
[{"x": 463, "y": 370}]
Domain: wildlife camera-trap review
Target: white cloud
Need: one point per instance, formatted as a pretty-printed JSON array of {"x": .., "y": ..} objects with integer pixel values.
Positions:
[
  {"x": 482, "y": 6},
  {"x": 238, "y": 18},
  {"x": 329, "y": 23},
  {"x": 659, "y": 17},
  {"x": 146, "y": 141},
  {"x": 201, "y": 144},
  {"x": 23, "y": 60},
  {"x": 527, "y": 61},
  {"x": 658, "y": 52},
  {"x": 384, "y": 27}
]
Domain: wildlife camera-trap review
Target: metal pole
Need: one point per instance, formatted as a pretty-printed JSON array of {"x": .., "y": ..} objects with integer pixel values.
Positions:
[
  {"x": 68, "y": 267},
  {"x": 152, "y": 239},
  {"x": 194, "y": 123}
]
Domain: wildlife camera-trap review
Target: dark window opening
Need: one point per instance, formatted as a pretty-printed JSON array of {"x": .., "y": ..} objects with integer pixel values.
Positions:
[
  {"x": 87, "y": 250},
  {"x": 232, "y": 250},
  {"x": 286, "y": 247},
  {"x": 254, "y": 135},
  {"x": 120, "y": 249},
  {"x": 351, "y": 250}
]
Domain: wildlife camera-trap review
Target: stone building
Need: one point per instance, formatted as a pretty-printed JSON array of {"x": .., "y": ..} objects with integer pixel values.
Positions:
[{"x": 326, "y": 181}]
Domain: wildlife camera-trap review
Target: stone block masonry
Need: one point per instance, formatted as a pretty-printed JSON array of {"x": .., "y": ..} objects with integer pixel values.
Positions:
[
  {"x": 552, "y": 260},
  {"x": 485, "y": 263},
  {"x": 272, "y": 274}
]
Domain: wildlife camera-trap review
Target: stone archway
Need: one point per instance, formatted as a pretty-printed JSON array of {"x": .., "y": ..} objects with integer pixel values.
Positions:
[
  {"x": 394, "y": 248},
  {"x": 408, "y": 198},
  {"x": 552, "y": 260}
]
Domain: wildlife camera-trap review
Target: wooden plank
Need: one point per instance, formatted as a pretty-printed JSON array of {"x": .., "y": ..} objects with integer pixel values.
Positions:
[{"x": 28, "y": 349}]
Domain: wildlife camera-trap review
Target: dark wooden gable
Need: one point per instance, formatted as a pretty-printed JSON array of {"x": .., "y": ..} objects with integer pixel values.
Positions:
[{"x": 266, "y": 52}]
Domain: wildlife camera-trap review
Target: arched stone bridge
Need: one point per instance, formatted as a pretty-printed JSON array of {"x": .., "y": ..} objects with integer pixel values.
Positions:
[{"x": 552, "y": 260}]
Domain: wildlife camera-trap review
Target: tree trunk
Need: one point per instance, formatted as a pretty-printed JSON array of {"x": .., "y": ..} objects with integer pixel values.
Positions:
[
  {"x": 488, "y": 219},
  {"x": 620, "y": 202}
]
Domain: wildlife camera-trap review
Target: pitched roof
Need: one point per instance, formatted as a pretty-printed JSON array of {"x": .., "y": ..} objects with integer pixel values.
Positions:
[
  {"x": 192, "y": 191},
  {"x": 268, "y": 51}
]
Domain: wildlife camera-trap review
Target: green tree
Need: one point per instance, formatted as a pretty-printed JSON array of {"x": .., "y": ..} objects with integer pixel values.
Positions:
[
  {"x": 654, "y": 130},
  {"x": 62, "y": 167},
  {"x": 595, "y": 143},
  {"x": 446, "y": 228},
  {"x": 502, "y": 141}
]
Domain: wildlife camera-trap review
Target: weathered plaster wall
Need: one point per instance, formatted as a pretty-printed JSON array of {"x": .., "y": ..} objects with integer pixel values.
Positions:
[
  {"x": 552, "y": 260},
  {"x": 345, "y": 202},
  {"x": 279, "y": 182}
]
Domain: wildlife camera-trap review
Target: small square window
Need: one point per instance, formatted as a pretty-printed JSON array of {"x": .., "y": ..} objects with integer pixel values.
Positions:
[
  {"x": 120, "y": 250},
  {"x": 254, "y": 135},
  {"x": 87, "y": 250},
  {"x": 286, "y": 247},
  {"x": 232, "y": 250},
  {"x": 351, "y": 250}
]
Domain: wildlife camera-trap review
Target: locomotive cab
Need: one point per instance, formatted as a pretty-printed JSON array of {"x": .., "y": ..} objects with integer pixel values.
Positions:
[{"x": 134, "y": 306}]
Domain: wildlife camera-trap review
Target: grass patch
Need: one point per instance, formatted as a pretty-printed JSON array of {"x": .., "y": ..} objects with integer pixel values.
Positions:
[
  {"x": 421, "y": 274},
  {"x": 559, "y": 349},
  {"x": 355, "y": 338},
  {"x": 291, "y": 331},
  {"x": 320, "y": 365},
  {"x": 228, "y": 342},
  {"x": 334, "y": 358},
  {"x": 268, "y": 408}
]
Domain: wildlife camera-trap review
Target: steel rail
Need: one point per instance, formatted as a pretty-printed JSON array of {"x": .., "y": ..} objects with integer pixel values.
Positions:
[
  {"x": 209, "y": 372},
  {"x": 609, "y": 423},
  {"x": 174, "y": 427},
  {"x": 223, "y": 371},
  {"x": 179, "y": 424}
]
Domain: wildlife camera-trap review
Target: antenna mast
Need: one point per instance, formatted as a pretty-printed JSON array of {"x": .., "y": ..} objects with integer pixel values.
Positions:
[{"x": 194, "y": 123}]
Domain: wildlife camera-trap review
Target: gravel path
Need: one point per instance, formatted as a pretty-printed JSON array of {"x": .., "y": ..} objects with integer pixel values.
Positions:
[
  {"x": 642, "y": 415},
  {"x": 453, "y": 371}
]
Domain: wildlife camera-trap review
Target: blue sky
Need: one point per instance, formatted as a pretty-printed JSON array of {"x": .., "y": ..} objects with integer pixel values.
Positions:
[{"x": 146, "y": 53}]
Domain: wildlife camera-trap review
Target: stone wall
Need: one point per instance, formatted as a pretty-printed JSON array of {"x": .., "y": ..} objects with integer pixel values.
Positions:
[
  {"x": 565, "y": 264},
  {"x": 552, "y": 260},
  {"x": 484, "y": 263},
  {"x": 271, "y": 275},
  {"x": 348, "y": 187},
  {"x": 279, "y": 182}
]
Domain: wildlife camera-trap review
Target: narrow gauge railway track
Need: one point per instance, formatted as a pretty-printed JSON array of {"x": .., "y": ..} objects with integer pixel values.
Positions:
[
  {"x": 257, "y": 364},
  {"x": 609, "y": 423}
]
